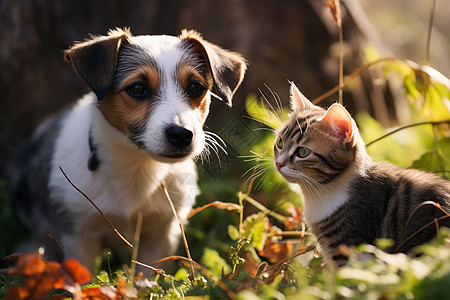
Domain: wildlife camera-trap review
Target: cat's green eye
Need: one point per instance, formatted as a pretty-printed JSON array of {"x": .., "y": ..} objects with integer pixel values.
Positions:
[
  {"x": 280, "y": 143},
  {"x": 303, "y": 152}
]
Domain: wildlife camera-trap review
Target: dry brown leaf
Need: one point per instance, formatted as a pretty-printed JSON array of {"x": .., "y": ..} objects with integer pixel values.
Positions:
[
  {"x": 276, "y": 251},
  {"x": 335, "y": 9}
]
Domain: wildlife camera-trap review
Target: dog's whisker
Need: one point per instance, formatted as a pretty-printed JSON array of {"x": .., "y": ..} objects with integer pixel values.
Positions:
[
  {"x": 215, "y": 136},
  {"x": 216, "y": 140},
  {"x": 213, "y": 144}
]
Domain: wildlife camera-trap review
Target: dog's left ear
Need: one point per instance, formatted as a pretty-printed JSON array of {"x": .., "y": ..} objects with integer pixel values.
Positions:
[
  {"x": 227, "y": 68},
  {"x": 95, "y": 60}
]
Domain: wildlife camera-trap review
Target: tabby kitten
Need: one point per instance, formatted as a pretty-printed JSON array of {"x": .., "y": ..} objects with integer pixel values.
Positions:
[{"x": 348, "y": 198}]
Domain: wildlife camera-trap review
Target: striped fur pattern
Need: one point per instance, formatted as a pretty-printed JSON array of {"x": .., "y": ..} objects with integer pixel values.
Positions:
[{"x": 348, "y": 198}]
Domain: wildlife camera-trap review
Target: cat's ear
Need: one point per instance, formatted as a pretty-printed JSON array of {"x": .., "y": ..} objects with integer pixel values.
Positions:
[
  {"x": 298, "y": 100},
  {"x": 341, "y": 123}
]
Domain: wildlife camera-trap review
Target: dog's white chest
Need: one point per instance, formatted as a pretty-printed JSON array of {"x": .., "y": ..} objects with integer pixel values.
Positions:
[{"x": 127, "y": 180}]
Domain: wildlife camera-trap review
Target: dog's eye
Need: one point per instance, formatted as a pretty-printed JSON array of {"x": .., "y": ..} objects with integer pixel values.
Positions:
[
  {"x": 137, "y": 90},
  {"x": 195, "y": 89}
]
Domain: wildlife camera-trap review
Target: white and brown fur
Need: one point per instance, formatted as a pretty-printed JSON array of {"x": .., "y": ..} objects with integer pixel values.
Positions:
[
  {"x": 348, "y": 198},
  {"x": 141, "y": 125}
]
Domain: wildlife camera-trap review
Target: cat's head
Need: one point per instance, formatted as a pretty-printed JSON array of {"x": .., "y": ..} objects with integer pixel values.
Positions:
[{"x": 316, "y": 145}]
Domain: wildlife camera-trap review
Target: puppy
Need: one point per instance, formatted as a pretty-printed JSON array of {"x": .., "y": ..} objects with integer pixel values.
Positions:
[{"x": 141, "y": 125}]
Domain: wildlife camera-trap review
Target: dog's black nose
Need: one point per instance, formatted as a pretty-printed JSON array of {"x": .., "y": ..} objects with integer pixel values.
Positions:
[{"x": 179, "y": 136}]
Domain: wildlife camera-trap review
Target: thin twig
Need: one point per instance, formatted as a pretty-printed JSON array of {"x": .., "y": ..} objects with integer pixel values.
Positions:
[
  {"x": 350, "y": 78},
  {"x": 261, "y": 207},
  {"x": 218, "y": 204},
  {"x": 158, "y": 271},
  {"x": 430, "y": 29},
  {"x": 134, "y": 254},
  {"x": 299, "y": 234},
  {"x": 99, "y": 210},
  {"x": 408, "y": 126},
  {"x": 435, "y": 204},
  {"x": 203, "y": 270},
  {"x": 420, "y": 230},
  {"x": 341, "y": 63},
  {"x": 186, "y": 246},
  {"x": 335, "y": 9}
]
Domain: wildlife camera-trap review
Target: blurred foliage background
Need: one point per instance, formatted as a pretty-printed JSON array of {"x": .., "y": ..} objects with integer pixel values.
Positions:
[{"x": 282, "y": 40}]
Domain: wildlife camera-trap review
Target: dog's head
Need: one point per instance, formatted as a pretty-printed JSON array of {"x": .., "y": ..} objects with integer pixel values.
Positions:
[{"x": 157, "y": 90}]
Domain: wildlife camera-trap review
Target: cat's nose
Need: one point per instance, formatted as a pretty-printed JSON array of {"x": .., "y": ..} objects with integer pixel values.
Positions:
[{"x": 279, "y": 165}]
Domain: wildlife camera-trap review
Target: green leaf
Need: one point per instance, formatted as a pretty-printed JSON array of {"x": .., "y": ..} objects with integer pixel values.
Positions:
[
  {"x": 371, "y": 53},
  {"x": 233, "y": 232},
  {"x": 434, "y": 102},
  {"x": 102, "y": 277},
  {"x": 411, "y": 86},
  {"x": 255, "y": 226},
  {"x": 430, "y": 161},
  {"x": 215, "y": 263},
  {"x": 182, "y": 275}
]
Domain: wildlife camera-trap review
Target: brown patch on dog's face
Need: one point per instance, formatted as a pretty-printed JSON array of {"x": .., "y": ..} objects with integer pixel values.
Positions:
[
  {"x": 196, "y": 87},
  {"x": 130, "y": 104}
]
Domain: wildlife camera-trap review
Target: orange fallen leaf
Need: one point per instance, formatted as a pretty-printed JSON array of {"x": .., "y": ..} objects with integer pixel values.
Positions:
[
  {"x": 121, "y": 286},
  {"x": 94, "y": 293},
  {"x": 27, "y": 265},
  {"x": 77, "y": 271},
  {"x": 39, "y": 277}
]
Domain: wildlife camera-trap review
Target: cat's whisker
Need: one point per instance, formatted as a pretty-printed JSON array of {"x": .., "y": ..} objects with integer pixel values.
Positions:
[
  {"x": 263, "y": 179},
  {"x": 262, "y": 170},
  {"x": 280, "y": 106},
  {"x": 263, "y": 128},
  {"x": 277, "y": 113},
  {"x": 252, "y": 158},
  {"x": 263, "y": 174},
  {"x": 253, "y": 169},
  {"x": 264, "y": 122},
  {"x": 277, "y": 101}
]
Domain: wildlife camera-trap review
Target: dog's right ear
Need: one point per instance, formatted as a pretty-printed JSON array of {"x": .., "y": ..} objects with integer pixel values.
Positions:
[{"x": 95, "y": 60}]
